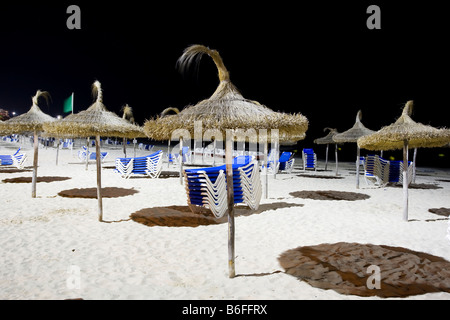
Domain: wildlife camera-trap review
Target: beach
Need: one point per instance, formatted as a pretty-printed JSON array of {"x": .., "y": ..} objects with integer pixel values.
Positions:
[{"x": 54, "y": 247}]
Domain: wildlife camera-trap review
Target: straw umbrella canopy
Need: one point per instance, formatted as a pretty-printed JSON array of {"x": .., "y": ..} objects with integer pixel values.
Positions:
[
  {"x": 225, "y": 109},
  {"x": 328, "y": 139},
  {"x": 95, "y": 121},
  {"x": 418, "y": 135},
  {"x": 226, "y": 112},
  {"x": 403, "y": 134},
  {"x": 352, "y": 135},
  {"x": 32, "y": 121}
]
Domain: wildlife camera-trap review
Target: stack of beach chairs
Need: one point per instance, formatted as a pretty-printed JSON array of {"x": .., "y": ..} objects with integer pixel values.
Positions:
[
  {"x": 83, "y": 153},
  {"x": 150, "y": 165},
  {"x": 207, "y": 187},
  {"x": 16, "y": 159},
  {"x": 376, "y": 170},
  {"x": 309, "y": 159},
  {"x": 381, "y": 172}
]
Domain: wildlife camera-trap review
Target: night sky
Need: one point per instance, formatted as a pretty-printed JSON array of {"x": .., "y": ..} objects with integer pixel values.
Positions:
[{"x": 317, "y": 58}]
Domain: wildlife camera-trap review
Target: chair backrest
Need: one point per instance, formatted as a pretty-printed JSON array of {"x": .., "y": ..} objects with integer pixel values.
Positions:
[
  {"x": 141, "y": 164},
  {"x": 242, "y": 159},
  {"x": 285, "y": 156},
  {"x": 377, "y": 168},
  {"x": 394, "y": 171},
  {"x": 6, "y": 160},
  {"x": 309, "y": 158},
  {"x": 369, "y": 165},
  {"x": 245, "y": 181}
]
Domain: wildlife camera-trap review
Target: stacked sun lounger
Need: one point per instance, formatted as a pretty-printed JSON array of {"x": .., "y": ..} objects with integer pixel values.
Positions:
[
  {"x": 376, "y": 170},
  {"x": 16, "y": 159},
  {"x": 309, "y": 159},
  {"x": 381, "y": 171},
  {"x": 92, "y": 155},
  {"x": 207, "y": 187},
  {"x": 409, "y": 172},
  {"x": 150, "y": 165}
]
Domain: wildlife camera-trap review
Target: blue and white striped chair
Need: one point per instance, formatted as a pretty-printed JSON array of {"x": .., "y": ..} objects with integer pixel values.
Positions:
[{"x": 286, "y": 162}]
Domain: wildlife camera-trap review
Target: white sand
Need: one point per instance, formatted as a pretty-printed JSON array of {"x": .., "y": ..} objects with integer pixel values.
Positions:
[{"x": 44, "y": 242}]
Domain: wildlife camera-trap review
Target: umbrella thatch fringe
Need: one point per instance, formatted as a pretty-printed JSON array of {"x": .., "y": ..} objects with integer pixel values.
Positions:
[{"x": 291, "y": 127}]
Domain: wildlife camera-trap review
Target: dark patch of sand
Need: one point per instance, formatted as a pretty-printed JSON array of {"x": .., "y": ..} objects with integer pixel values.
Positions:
[
  {"x": 14, "y": 170},
  {"x": 182, "y": 216},
  {"x": 318, "y": 176},
  {"x": 416, "y": 186},
  {"x": 91, "y": 193},
  {"x": 38, "y": 179},
  {"x": 329, "y": 195},
  {"x": 440, "y": 211},
  {"x": 343, "y": 267}
]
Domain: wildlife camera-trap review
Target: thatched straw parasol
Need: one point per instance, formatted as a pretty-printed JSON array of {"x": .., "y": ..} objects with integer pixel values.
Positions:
[
  {"x": 328, "y": 139},
  {"x": 225, "y": 109},
  {"x": 95, "y": 121},
  {"x": 418, "y": 135},
  {"x": 32, "y": 121},
  {"x": 405, "y": 133},
  {"x": 352, "y": 135},
  {"x": 226, "y": 112}
]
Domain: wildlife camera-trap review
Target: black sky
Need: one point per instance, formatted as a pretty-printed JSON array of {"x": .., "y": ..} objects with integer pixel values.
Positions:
[{"x": 317, "y": 58}]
